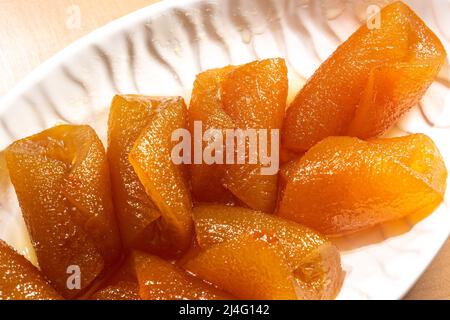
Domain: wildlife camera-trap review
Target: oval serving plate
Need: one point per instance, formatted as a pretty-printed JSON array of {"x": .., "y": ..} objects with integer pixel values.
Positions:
[{"x": 158, "y": 51}]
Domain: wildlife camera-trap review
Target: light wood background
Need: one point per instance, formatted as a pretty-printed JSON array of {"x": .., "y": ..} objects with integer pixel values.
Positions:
[{"x": 31, "y": 31}]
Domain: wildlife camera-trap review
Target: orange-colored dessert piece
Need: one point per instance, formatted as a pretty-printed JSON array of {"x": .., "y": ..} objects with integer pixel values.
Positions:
[
  {"x": 206, "y": 107},
  {"x": 194, "y": 250},
  {"x": 148, "y": 277},
  {"x": 121, "y": 284},
  {"x": 61, "y": 178},
  {"x": 343, "y": 184},
  {"x": 118, "y": 291},
  {"x": 248, "y": 268},
  {"x": 254, "y": 96},
  {"x": 250, "y": 96},
  {"x": 390, "y": 92},
  {"x": 129, "y": 116},
  {"x": 161, "y": 280},
  {"x": 368, "y": 83},
  {"x": 164, "y": 181},
  {"x": 20, "y": 280},
  {"x": 314, "y": 260},
  {"x": 287, "y": 156}
]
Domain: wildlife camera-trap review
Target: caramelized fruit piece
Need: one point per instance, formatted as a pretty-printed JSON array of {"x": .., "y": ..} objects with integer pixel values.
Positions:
[
  {"x": 249, "y": 96},
  {"x": 164, "y": 181},
  {"x": 161, "y": 280},
  {"x": 148, "y": 277},
  {"x": 128, "y": 117},
  {"x": 206, "y": 106},
  {"x": 344, "y": 184},
  {"x": 390, "y": 92},
  {"x": 251, "y": 187},
  {"x": 246, "y": 267},
  {"x": 254, "y": 96},
  {"x": 314, "y": 259},
  {"x": 418, "y": 153},
  {"x": 122, "y": 284},
  {"x": 194, "y": 250},
  {"x": 20, "y": 280},
  {"x": 61, "y": 178},
  {"x": 287, "y": 156},
  {"x": 120, "y": 291},
  {"x": 368, "y": 83}
]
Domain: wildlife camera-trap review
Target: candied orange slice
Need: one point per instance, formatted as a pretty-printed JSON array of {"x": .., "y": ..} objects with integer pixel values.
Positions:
[
  {"x": 206, "y": 107},
  {"x": 390, "y": 92},
  {"x": 20, "y": 280},
  {"x": 121, "y": 290},
  {"x": 246, "y": 267},
  {"x": 165, "y": 182},
  {"x": 161, "y": 280},
  {"x": 128, "y": 117},
  {"x": 206, "y": 100},
  {"x": 344, "y": 184},
  {"x": 148, "y": 277},
  {"x": 250, "y": 96},
  {"x": 368, "y": 83},
  {"x": 314, "y": 260},
  {"x": 254, "y": 96},
  {"x": 61, "y": 178},
  {"x": 287, "y": 156},
  {"x": 120, "y": 284}
]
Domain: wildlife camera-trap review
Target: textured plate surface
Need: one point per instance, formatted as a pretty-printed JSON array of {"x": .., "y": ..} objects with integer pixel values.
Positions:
[{"x": 159, "y": 50}]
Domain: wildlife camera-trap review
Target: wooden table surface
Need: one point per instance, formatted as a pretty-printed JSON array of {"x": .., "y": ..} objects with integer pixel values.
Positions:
[{"x": 31, "y": 31}]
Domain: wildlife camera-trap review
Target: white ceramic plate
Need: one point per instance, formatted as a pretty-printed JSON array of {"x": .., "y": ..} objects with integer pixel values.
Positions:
[{"x": 159, "y": 50}]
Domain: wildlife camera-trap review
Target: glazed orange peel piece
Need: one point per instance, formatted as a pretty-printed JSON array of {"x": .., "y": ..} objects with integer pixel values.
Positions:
[
  {"x": 254, "y": 95},
  {"x": 61, "y": 178},
  {"x": 153, "y": 214},
  {"x": 20, "y": 280},
  {"x": 264, "y": 241},
  {"x": 120, "y": 284},
  {"x": 135, "y": 211},
  {"x": 251, "y": 96},
  {"x": 248, "y": 268},
  {"x": 206, "y": 107},
  {"x": 148, "y": 277},
  {"x": 152, "y": 196},
  {"x": 343, "y": 184},
  {"x": 368, "y": 83},
  {"x": 161, "y": 280},
  {"x": 165, "y": 182}
]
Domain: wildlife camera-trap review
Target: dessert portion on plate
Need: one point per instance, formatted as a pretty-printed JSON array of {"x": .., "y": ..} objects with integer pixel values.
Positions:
[
  {"x": 132, "y": 223},
  {"x": 368, "y": 83}
]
